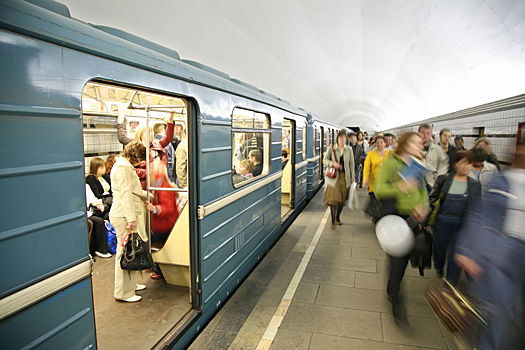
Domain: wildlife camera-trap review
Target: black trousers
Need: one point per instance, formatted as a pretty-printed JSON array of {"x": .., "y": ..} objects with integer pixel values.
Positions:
[
  {"x": 98, "y": 240},
  {"x": 397, "y": 271}
]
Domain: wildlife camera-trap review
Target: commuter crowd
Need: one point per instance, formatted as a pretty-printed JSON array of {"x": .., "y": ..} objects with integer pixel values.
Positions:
[
  {"x": 467, "y": 216},
  {"x": 116, "y": 195}
]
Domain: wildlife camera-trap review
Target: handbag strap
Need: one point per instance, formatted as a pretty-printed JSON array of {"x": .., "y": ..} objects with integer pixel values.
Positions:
[{"x": 335, "y": 157}]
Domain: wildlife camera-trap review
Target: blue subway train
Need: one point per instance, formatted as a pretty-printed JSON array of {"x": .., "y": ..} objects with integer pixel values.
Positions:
[{"x": 64, "y": 84}]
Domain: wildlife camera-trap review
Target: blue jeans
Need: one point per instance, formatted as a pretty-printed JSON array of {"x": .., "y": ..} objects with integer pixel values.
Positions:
[
  {"x": 448, "y": 224},
  {"x": 502, "y": 285}
]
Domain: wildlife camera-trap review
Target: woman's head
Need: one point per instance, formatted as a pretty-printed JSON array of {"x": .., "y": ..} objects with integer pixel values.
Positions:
[
  {"x": 463, "y": 162},
  {"x": 110, "y": 160},
  {"x": 284, "y": 153},
  {"x": 410, "y": 143},
  {"x": 97, "y": 167},
  {"x": 380, "y": 143},
  {"x": 480, "y": 156},
  {"x": 245, "y": 167},
  {"x": 135, "y": 152},
  {"x": 484, "y": 143},
  {"x": 342, "y": 138},
  {"x": 140, "y": 134},
  {"x": 359, "y": 135}
]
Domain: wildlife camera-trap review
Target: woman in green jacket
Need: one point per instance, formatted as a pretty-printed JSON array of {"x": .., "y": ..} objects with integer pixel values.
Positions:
[{"x": 408, "y": 199}]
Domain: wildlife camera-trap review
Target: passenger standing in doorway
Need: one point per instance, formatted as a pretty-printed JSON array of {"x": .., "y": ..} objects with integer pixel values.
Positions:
[
  {"x": 373, "y": 164},
  {"x": 127, "y": 215},
  {"x": 444, "y": 142},
  {"x": 159, "y": 132},
  {"x": 409, "y": 199},
  {"x": 181, "y": 155},
  {"x": 256, "y": 158},
  {"x": 389, "y": 140},
  {"x": 337, "y": 188},
  {"x": 434, "y": 158},
  {"x": 459, "y": 197}
]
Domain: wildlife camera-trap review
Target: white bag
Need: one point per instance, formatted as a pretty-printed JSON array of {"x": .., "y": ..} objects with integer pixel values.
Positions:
[{"x": 352, "y": 201}]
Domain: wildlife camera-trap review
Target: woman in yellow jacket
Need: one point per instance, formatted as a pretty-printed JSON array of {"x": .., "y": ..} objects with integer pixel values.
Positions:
[{"x": 373, "y": 163}]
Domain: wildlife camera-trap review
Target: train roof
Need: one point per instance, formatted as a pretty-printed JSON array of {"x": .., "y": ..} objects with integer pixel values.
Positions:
[
  {"x": 51, "y": 21},
  {"x": 315, "y": 118}
]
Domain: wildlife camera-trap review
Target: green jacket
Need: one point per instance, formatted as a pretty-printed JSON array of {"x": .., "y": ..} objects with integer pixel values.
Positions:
[{"x": 386, "y": 187}]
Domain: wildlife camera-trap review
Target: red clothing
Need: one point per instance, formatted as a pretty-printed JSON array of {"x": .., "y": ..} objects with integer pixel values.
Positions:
[
  {"x": 166, "y": 204},
  {"x": 157, "y": 149}
]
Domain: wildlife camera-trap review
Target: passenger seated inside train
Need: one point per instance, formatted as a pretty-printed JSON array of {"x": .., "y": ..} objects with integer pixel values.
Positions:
[
  {"x": 255, "y": 157},
  {"x": 157, "y": 147},
  {"x": 100, "y": 185},
  {"x": 284, "y": 154},
  {"x": 97, "y": 234},
  {"x": 110, "y": 160},
  {"x": 244, "y": 171},
  {"x": 163, "y": 208}
]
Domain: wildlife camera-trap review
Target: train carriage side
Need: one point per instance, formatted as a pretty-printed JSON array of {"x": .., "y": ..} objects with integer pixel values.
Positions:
[
  {"x": 313, "y": 154},
  {"x": 231, "y": 227}
]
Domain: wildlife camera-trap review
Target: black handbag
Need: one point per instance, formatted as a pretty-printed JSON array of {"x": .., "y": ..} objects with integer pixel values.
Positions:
[{"x": 135, "y": 255}]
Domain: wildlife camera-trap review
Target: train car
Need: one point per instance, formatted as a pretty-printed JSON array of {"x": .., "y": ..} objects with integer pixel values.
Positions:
[
  {"x": 64, "y": 84},
  {"x": 498, "y": 121},
  {"x": 321, "y": 134}
]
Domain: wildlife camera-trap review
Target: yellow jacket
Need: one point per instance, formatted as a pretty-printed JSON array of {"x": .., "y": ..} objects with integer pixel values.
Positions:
[{"x": 372, "y": 167}]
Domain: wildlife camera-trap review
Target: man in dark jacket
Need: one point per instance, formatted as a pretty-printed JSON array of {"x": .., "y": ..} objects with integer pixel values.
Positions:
[{"x": 444, "y": 141}]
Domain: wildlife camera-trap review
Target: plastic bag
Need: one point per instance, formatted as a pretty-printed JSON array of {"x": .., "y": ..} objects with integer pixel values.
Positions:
[
  {"x": 352, "y": 201},
  {"x": 111, "y": 237}
]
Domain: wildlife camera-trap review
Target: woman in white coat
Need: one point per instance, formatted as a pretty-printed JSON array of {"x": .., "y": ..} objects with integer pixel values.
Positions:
[
  {"x": 127, "y": 214},
  {"x": 337, "y": 188}
]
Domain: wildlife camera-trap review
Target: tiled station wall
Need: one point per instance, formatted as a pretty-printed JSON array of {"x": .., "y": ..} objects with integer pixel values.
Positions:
[
  {"x": 101, "y": 144},
  {"x": 500, "y": 128}
]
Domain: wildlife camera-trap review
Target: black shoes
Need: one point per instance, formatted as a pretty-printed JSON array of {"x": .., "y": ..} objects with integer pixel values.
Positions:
[
  {"x": 400, "y": 316},
  {"x": 440, "y": 273}
]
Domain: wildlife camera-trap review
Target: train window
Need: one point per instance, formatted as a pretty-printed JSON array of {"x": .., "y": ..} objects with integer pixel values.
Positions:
[
  {"x": 315, "y": 141},
  {"x": 250, "y": 146}
]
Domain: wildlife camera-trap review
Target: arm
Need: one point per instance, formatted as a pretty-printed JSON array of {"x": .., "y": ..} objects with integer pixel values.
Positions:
[
  {"x": 92, "y": 182},
  {"x": 352, "y": 166},
  {"x": 443, "y": 163},
  {"x": 384, "y": 187},
  {"x": 167, "y": 203},
  {"x": 182, "y": 160},
  {"x": 124, "y": 181},
  {"x": 121, "y": 133},
  {"x": 327, "y": 159},
  {"x": 436, "y": 190},
  {"x": 168, "y": 136},
  {"x": 367, "y": 169},
  {"x": 90, "y": 197}
]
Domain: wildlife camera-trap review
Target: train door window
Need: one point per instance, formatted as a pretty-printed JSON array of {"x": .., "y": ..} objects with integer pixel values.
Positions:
[
  {"x": 250, "y": 146},
  {"x": 287, "y": 184},
  {"x": 110, "y": 121}
]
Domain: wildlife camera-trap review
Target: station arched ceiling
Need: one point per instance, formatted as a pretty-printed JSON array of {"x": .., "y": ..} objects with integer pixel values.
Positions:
[{"x": 368, "y": 63}]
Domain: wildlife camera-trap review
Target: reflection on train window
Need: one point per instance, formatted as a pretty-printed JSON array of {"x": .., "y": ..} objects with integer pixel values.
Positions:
[
  {"x": 315, "y": 142},
  {"x": 250, "y": 145}
]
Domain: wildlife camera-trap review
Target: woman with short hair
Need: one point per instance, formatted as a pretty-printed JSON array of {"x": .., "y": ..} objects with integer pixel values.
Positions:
[
  {"x": 337, "y": 188},
  {"x": 127, "y": 214},
  {"x": 453, "y": 197}
]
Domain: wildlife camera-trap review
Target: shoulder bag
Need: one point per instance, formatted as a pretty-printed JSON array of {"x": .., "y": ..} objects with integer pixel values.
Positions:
[
  {"x": 331, "y": 172},
  {"x": 135, "y": 255}
]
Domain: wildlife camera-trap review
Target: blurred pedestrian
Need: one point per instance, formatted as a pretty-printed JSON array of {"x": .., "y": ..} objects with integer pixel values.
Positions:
[
  {"x": 482, "y": 170},
  {"x": 484, "y": 143},
  {"x": 373, "y": 164},
  {"x": 453, "y": 197},
  {"x": 408, "y": 199},
  {"x": 491, "y": 248},
  {"x": 435, "y": 159}
]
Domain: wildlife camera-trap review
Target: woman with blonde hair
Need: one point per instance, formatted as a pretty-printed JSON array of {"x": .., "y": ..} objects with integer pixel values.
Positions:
[
  {"x": 127, "y": 214},
  {"x": 341, "y": 157},
  {"x": 156, "y": 146}
]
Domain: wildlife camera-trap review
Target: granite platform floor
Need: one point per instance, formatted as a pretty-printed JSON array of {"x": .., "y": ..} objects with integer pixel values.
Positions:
[{"x": 340, "y": 302}]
